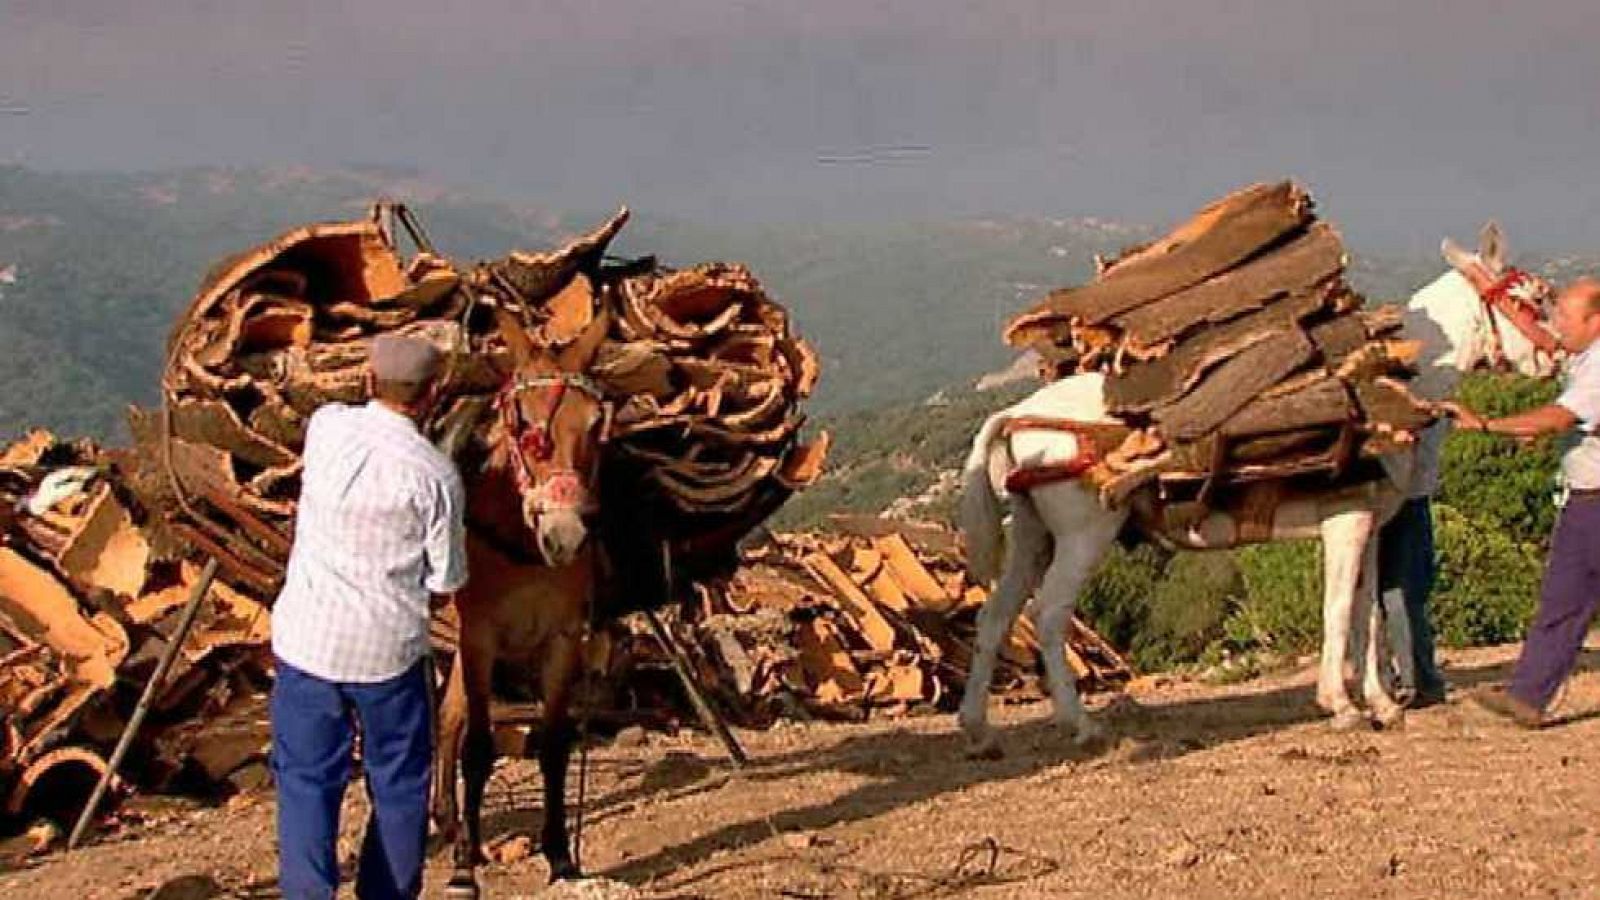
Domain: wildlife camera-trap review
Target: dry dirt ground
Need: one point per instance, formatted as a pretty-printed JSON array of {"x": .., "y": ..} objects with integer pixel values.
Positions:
[{"x": 1202, "y": 792}]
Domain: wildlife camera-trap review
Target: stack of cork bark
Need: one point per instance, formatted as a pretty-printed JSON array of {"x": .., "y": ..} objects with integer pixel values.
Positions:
[
  {"x": 873, "y": 617},
  {"x": 1234, "y": 351},
  {"x": 703, "y": 369},
  {"x": 90, "y": 595}
]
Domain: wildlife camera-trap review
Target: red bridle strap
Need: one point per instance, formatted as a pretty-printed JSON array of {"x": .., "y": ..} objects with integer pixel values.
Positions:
[
  {"x": 1519, "y": 311},
  {"x": 561, "y": 489}
]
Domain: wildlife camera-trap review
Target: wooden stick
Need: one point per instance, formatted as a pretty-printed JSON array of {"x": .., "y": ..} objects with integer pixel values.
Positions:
[
  {"x": 702, "y": 708},
  {"x": 157, "y": 678}
]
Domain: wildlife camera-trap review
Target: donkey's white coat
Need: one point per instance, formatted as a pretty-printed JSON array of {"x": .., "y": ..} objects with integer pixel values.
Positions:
[{"x": 1060, "y": 532}]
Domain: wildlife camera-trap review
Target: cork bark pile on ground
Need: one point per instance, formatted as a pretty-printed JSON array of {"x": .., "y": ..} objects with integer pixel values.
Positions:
[
  {"x": 872, "y": 617},
  {"x": 91, "y": 591},
  {"x": 1235, "y": 351}
]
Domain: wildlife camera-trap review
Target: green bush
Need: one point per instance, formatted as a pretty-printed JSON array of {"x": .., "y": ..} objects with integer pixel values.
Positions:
[
  {"x": 1189, "y": 609},
  {"x": 1281, "y": 606},
  {"x": 1116, "y": 601},
  {"x": 1496, "y": 481},
  {"x": 1488, "y": 583}
]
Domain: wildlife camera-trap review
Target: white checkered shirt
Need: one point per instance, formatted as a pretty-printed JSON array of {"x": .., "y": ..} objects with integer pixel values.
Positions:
[{"x": 379, "y": 529}]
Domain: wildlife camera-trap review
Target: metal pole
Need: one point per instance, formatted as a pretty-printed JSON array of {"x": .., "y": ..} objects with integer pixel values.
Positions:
[
  {"x": 708, "y": 716},
  {"x": 174, "y": 644}
]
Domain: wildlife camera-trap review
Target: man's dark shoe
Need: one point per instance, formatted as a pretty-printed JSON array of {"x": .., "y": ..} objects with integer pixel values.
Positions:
[
  {"x": 1430, "y": 696},
  {"x": 1502, "y": 703}
]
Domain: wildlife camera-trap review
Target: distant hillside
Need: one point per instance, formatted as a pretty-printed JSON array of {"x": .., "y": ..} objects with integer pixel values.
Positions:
[
  {"x": 903, "y": 455},
  {"x": 105, "y": 261},
  {"x": 898, "y": 310},
  {"x": 901, "y": 310}
]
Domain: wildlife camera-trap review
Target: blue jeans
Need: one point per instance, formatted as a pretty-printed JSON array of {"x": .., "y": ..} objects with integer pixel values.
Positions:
[
  {"x": 1406, "y": 570},
  {"x": 314, "y": 723}
]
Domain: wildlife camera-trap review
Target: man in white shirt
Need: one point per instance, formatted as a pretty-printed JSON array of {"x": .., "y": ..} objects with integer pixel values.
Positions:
[
  {"x": 1571, "y": 589},
  {"x": 379, "y": 540}
]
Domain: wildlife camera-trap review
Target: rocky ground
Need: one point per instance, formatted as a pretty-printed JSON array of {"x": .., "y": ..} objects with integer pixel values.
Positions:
[{"x": 1201, "y": 791}]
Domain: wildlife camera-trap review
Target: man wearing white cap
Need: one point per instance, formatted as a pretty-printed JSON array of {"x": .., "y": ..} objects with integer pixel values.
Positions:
[{"x": 379, "y": 540}]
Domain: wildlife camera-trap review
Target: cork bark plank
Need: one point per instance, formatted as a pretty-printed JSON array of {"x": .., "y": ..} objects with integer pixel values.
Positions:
[{"x": 1232, "y": 386}]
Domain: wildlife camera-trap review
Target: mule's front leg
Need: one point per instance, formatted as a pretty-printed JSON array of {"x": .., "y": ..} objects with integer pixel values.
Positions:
[
  {"x": 1345, "y": 537},
  {"x": 559, "y": 677},
  {"x": 447, "y": 761},
  {"x": 1026, "y": 556},
  {"x": 555, "y": 755}
]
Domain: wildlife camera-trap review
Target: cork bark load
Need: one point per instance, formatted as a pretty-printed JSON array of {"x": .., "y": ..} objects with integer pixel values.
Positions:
[
  {"x": 1235, "y": 351},
  {"x": 703, "y": 368}
]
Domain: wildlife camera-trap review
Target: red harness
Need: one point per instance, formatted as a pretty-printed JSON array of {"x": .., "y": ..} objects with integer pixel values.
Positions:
[
  {"x": 1509, "y": 296},
  {"x": 1025, "y": 478},
  {"x": 530, "y": 447}
]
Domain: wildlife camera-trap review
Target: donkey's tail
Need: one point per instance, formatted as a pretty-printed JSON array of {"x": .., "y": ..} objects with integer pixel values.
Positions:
[{"x": 981, "y": 514}]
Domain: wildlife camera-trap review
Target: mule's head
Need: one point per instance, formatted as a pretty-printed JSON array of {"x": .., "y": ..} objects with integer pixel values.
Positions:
[
  {"x": 552, "y": 425},
  {"x": 1510, "y": 310}
]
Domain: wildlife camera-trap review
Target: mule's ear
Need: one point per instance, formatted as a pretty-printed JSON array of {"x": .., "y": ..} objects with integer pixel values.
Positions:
[
  {"x": 581, "y": 352},
  {"x": 1492, "y": 247},
  {"x": 1461, "y": 259},
  {"x": 515, "y": 335}
]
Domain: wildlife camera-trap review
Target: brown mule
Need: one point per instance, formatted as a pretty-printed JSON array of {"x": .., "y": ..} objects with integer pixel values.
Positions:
[{"x": 533, "y": 566}]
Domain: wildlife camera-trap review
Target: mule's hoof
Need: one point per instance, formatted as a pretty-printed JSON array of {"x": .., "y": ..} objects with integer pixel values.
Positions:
[
  {"x": 1084, "y": 731},
  {"x": 564, "y": 870},
  {"x": 461, "y": 887},
  {"x": 1349, "y": 719},
  {"x": 1090, "y": 735},
  {"x": 447, "y": 833},
  {"x": 984, "y": 748},
  {"x": 1390, "y": 720}
]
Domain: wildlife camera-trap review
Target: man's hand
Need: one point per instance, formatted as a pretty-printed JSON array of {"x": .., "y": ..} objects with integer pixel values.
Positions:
[{"x": 1464, "y": 418}]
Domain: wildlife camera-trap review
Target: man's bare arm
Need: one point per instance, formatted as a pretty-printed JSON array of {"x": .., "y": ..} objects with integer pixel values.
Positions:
[{"x": 1551, "y": 419}]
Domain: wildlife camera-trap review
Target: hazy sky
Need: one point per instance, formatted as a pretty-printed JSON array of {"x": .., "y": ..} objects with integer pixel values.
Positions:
[{"x": 1407, "y": 118}]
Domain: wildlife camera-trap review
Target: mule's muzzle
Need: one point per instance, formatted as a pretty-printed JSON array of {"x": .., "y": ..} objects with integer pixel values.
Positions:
[{"x": 560, "y": 534}]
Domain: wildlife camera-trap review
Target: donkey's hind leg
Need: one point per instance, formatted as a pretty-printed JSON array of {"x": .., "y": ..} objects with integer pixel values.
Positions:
[
  {"x": 1083, "y": 531},
  {"x": 1027, "y": 553}
]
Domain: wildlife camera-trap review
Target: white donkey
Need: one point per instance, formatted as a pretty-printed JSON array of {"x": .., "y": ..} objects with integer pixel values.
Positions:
[{"x": 1060, "y": 532}]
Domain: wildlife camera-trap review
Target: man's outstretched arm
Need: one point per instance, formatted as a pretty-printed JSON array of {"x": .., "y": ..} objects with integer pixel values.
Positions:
[{"x": 1550, "y": 419}]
